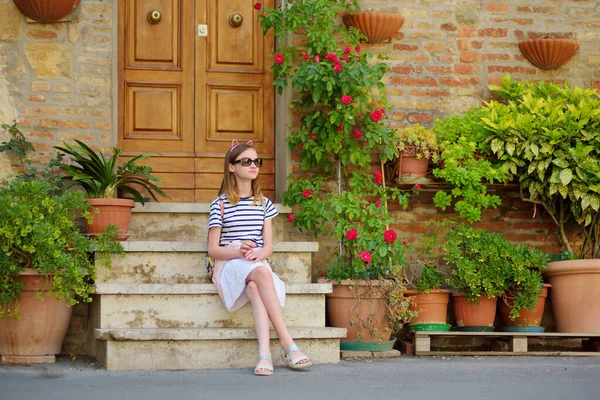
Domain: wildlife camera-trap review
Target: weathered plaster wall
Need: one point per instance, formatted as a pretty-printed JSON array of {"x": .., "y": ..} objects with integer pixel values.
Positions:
[{"x": 56, "y": 79}]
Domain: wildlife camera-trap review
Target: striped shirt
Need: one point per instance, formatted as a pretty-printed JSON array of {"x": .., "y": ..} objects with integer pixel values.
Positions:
[{"x": 243, "y": 221}]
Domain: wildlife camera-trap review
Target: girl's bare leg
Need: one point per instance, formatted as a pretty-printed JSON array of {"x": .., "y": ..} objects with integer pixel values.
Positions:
[
  {"x": 264, "y": 281},
  {"x": 261, "y": 320}
]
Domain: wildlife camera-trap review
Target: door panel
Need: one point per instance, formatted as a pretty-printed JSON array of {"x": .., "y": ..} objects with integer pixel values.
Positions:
[
  {"x": 234, "y": 91},
  {"x": 185, "y": 97},
  {"x": 155, "y": 46}
]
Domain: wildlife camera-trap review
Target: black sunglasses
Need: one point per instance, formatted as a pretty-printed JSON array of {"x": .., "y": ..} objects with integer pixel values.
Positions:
[{"x": 246, "y": 162}]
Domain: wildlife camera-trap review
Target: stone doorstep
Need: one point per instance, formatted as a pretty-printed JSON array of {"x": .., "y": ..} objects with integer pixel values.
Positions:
[
  {"x": 197, "y": 311},
  {"x": 202, "y": 247},
  {"x": 186, "y": 222},
  {"x": 196, "y": 288},
  {"x": 190, "y": 208},
  {"x": 184, "y": 267},
  {"x": 177, "y": 334},
  {"x": 185, "y": 349}
]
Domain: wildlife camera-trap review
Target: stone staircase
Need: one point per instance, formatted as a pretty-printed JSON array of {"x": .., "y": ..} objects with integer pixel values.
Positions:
[{"x": 155, "y": 309}]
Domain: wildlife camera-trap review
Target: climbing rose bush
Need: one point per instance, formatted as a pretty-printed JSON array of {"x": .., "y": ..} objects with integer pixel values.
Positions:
[{"x": 340, "y": 123}]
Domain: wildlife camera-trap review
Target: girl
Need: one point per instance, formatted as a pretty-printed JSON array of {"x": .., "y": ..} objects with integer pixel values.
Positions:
[{"x": 240, "y": 240}]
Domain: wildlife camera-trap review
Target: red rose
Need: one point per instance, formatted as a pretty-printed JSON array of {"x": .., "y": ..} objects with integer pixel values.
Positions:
[
  {"x": 347, "y": 50},
  {"x": 278, "y": 58},
  {"x": 257, "y": 6},
  {"x": 365, "y": 256},
  {"x": 378, "y": 178},
  {"x": 323, "y": 274},
  {"x": 352, "y": 234},
  {"x": 307, "y": 193},
  {"x": 376, "y": 115},
  {"x": 313, "y": 136},
  {"x": 377, "y": 204},
  {"x": 389, "y": 236},
  {"x": 346, "y": 99},
  {"x": 337, "y": 67},
  {"x": 345, "y": 59},
  {"x": 317, "y": 59},
  {"x": 306, "y": 56},
  {"x": 404, "y": 243},
  {"x": 331, "y": 57},
  {"x": 357, "y": 134},
  {"x": 418, "y": 186},
  {"x": 357, "y": 48},
  {"x": 290, "y": 217}
]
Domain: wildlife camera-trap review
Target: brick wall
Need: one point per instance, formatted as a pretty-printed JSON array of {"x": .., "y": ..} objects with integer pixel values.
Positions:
[{"x": 448, "y": 51}]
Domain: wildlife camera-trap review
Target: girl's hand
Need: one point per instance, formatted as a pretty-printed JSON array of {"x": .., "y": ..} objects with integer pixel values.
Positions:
[
  {"x": 252, "y": 255},
  {"x": 247, "y": 245}
]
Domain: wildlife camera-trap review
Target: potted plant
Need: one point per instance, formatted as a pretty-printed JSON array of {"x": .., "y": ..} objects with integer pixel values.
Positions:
[
  {"x": 477, "y": 259},
  {"x": 466, "y": 163},
  {"x": 340, "y": 114},
  {"x": 101, "y": 177},
  {"x": 417, "y": 145},
  {"x": 523, "y": 301},
  {"x": 45, "y": 262},
  {"x": 551, "y": 133},
  {"x": 430, "y": 300}
]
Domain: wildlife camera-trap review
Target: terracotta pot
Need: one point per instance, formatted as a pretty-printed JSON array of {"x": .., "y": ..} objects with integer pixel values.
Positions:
[
  {"x": 526, "y": 317},
  {"x": 342, "y": 306},
  {"x": 115, "y": 212},
  {"x": 410, "y": 165},
  {"x": 575, "y": 295},
  {"x": 46, "y": 11},
  {"x": 548, "y": 53},
  {"x": 40, "y": 332},
  {"x": 432, "y": 306},
  {"x": 471, "y": 314},
  {"x": 376, "y": 26}
]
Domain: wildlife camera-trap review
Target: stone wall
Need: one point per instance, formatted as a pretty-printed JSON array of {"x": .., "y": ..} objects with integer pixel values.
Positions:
[{"x": 57, "y": 79}]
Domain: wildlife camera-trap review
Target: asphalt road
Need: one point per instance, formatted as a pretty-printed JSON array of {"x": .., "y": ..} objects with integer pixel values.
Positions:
[{"x": 414, "y": 378}]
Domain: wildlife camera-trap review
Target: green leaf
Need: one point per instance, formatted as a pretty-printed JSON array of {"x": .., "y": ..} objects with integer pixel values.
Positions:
[
  {"x": 496, "y": 145},
  {"x": 560, "y": 162},
  {"x": 566, "y": 176},
  {"x": 383, "y": 251},
  {"x": 510, "y": 148}
]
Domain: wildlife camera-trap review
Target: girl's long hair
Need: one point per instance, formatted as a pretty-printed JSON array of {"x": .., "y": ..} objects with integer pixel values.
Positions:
[{"x": 229, "y": 185}]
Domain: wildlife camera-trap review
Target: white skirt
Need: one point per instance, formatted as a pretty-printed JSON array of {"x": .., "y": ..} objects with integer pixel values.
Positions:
[{"x": 233, "y": 282}]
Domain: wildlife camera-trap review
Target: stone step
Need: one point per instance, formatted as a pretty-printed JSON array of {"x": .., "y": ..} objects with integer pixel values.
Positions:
[
  {"x": 184, "y": 222},
  {"x": 196, "y": 306},
  {"x": 184, "y": 262},
  {"x": 184, "y": 349}
]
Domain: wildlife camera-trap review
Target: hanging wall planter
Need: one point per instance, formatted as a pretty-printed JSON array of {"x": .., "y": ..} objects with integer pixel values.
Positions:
[
  {"x": 547, "y": 52},
  {"x": 377, "y": 27},
  {"x": 45, "y": 11}
]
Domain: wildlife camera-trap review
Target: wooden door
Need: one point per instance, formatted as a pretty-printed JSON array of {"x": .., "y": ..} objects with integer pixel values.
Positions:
[{"x": 185, "y": 91}]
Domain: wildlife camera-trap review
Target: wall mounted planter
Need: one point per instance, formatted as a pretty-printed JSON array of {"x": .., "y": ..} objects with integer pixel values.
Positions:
[
  {"x": 377, "y": 27},
  {"x": 548, "y": 53},
  {"x": 45, "y": 11}
]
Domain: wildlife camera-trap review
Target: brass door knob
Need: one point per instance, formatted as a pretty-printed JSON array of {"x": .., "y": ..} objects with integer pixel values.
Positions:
[
  {"x": 154, "y": 17},
  {"x": 236, "y": 20}
]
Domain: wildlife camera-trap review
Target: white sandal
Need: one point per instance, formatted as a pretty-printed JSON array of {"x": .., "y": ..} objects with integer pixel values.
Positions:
[
  {"x": 294, "y": 363},
  {"x": 269, "y": 369}
]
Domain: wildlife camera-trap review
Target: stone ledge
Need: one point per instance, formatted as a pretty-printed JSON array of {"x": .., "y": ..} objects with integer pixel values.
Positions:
[
  {"x": 196, "y": 288},
  {"x": 190, "y": 208},
  {"x": 211, "y": 334},
  {"x": 353, "y": 355},
  {"x": 159, "y": 247}
]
